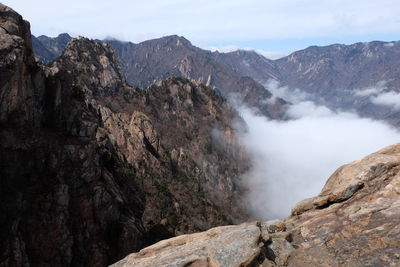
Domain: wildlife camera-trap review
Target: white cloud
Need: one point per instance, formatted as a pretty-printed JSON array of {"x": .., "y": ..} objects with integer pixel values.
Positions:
[
  {"x": 222, "y": 49},
  {"x": 291, "y": 160},
  {"x": 292, "y": 95},
  {"x": 391, "y": 44},
  {"x": 391, "y": 99},
  {"x": 380, "y": 96},
  {"x": 273, "y": 54},
  {"x": 374, "y": 90},
  {"x": 367, "y": 92},
  {"x": 309, "y": 109}
]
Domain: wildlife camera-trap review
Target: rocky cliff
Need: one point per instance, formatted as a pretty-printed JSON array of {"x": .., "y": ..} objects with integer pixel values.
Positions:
[
  {"x": 92, "y": 169},
  {"x": 354, "y": 221}
]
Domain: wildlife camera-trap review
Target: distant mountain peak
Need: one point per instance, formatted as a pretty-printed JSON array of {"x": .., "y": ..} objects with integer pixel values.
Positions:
[
  {"x": 176, "y": 37},
  {"x": 64, "y": 35},
  {"x": 60, "y": 36},
  {"x": 169, "y": 40}
]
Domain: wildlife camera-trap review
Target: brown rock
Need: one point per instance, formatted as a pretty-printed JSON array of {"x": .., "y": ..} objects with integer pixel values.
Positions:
[
  {"x": 353, "y": 221},
  {"x": 21, "y": 83},
  {"x": 221, "y": 246}
]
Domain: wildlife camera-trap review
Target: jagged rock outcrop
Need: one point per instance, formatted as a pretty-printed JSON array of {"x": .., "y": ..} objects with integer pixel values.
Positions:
[
  {"x": 354, "y": 221},
  {"x": 21, "y": 80},
  {"x": 92, "y": 169}
]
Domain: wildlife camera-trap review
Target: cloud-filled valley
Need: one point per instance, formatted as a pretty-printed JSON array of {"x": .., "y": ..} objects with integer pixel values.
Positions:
[{"x": 292, "y": 159}]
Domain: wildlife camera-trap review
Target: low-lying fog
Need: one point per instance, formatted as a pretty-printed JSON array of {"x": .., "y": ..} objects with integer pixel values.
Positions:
[{"x": 291, "y": 160}]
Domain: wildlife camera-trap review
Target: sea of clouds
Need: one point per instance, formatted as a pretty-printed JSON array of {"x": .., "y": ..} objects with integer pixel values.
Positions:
[{"x": 292, "y": 159}]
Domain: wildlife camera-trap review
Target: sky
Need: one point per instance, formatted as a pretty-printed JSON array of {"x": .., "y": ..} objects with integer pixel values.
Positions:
[{"x": 272, "y": 27}]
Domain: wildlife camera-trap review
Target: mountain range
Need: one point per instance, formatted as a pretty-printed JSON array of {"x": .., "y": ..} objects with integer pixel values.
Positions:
[{"x": 330, "y": 75}]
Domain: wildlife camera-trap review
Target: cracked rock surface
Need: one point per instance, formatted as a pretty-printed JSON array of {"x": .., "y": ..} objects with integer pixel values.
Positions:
[{"x": 221, "y": 246}]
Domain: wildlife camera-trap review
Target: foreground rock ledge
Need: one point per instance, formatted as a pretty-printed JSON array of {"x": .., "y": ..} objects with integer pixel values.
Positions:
[
  {"x": 221, "y": 246},
  {"x": 354, "y": 221}
]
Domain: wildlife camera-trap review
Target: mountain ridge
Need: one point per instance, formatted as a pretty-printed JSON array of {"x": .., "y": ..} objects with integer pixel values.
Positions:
[
  {"x": 151, "y": 61},
  {"x": 330, "y": 75}
]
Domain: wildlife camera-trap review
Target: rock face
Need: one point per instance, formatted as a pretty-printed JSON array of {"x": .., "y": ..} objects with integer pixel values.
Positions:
[
  {"x": 21, "y": 80},
  {"x": 354, "y": 221},
  {"x": 221, "y": 246},
  {"x": 92, "y": 169}
]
